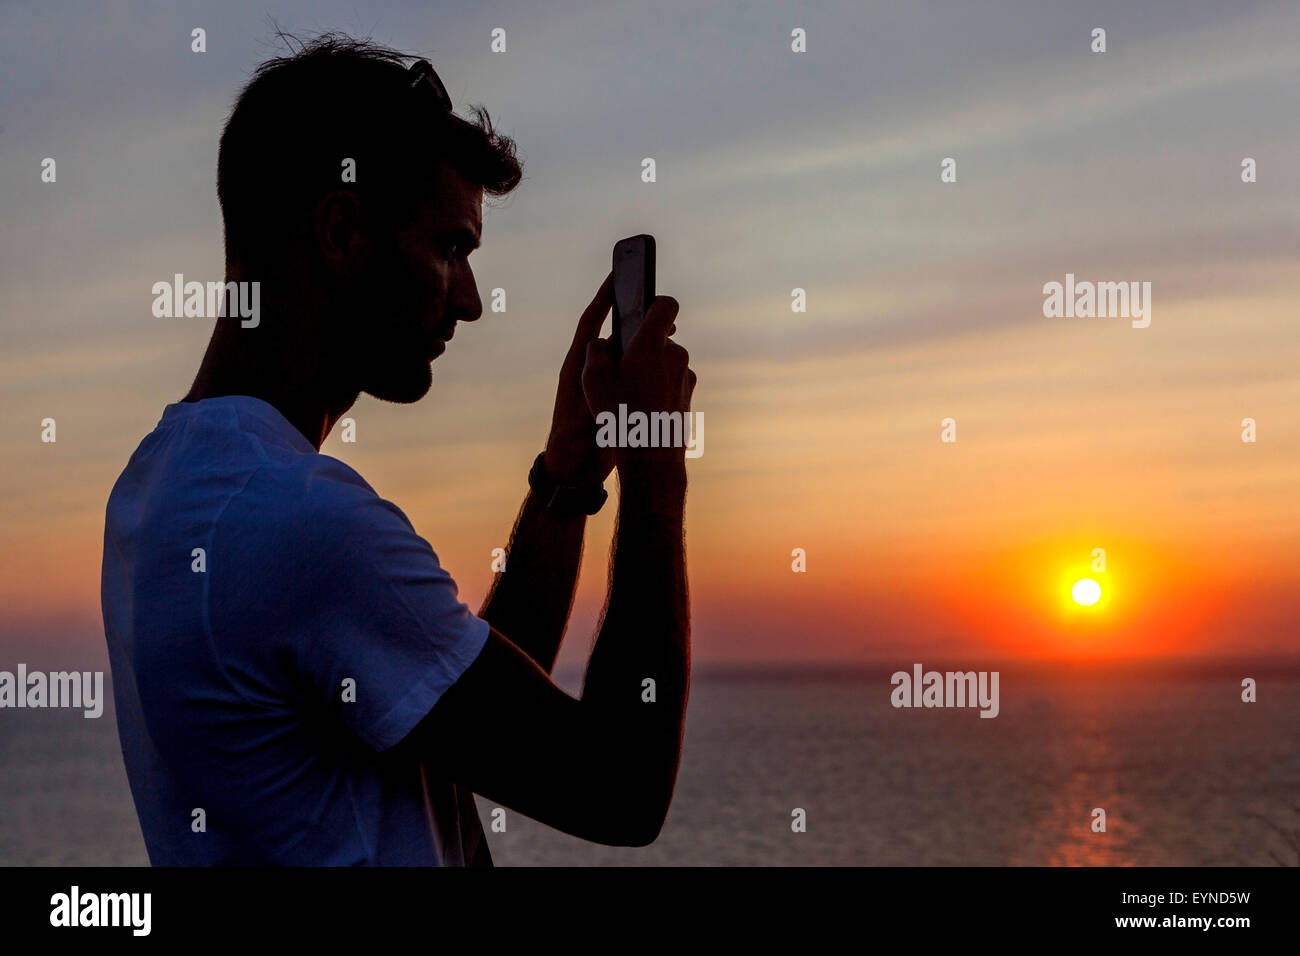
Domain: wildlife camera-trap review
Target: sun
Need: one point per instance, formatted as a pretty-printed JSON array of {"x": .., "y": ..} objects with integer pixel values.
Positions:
[{"x": 1086, "y": 591}]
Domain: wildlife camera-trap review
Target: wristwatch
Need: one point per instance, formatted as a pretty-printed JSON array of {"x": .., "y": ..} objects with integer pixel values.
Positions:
[{"x": 568, "y": 498}]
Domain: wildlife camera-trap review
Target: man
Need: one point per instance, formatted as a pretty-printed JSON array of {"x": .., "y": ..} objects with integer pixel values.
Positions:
[{"x": 296, "y": 681}]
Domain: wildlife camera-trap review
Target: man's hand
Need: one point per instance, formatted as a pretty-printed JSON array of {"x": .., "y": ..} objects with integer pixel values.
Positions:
[
  {"x": 571, "y": 450},
  {"x": 654, "y": 375}
]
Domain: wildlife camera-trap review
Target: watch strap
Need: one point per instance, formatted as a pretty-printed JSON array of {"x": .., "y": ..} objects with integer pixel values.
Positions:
[{"x": 566, "y": 498}]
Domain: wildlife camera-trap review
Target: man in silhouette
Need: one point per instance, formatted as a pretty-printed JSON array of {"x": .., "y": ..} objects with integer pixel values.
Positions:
[{"x": 296, "y": 681}]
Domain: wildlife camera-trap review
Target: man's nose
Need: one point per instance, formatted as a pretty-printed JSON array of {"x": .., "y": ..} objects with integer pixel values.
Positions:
[{"x": 465, "y": 303}]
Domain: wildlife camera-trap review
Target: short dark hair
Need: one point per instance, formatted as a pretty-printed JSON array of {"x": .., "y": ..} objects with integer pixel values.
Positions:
[{"x": 337, "y": 97}]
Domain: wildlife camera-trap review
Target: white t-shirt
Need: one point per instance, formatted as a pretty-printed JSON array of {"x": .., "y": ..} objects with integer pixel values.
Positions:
[{"x": 274, "y": 628}]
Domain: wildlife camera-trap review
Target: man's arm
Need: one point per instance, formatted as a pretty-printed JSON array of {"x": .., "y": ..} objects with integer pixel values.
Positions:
[
  {"x": 602, "y": 767},
  {"x": 531, "y": 600}
]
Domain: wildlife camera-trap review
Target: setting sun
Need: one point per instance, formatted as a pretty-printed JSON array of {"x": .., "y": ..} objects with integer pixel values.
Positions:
[{"x": 1086, "y": 591}]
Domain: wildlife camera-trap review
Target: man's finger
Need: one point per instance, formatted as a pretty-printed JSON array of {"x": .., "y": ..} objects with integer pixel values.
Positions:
[
  {"x": 598, "y": 350},
  {"x": 594, "y": 315},
  {"x": 661, "y": 315},
  {"x": 599, "y": 358}
]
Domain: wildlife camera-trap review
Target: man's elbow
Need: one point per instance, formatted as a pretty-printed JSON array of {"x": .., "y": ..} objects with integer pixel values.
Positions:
[
  {"x": 634, "y": 813},
  {"x": 637, "y": 787},
  {"x": 647, "y": 825}
]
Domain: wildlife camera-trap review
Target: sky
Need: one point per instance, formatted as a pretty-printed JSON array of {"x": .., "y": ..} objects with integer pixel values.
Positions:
[{"x": 776, "y": 170}]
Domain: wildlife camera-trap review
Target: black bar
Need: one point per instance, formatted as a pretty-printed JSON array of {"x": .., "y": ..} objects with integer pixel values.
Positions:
[{"x": 563, "y": 904}]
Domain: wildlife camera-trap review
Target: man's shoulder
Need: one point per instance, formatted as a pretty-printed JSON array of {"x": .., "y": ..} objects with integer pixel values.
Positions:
[
  {"x": 316, "y": 481},
  {"x": 305, "y": 534},
  {"x": 311, "y": 487},
  {"x": 317, "y": 492}
]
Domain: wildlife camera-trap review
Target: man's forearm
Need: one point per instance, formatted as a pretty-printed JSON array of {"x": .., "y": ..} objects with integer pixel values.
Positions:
[
  {"x": 645, "y": 635},
  {"x": 531, "y": 599}
]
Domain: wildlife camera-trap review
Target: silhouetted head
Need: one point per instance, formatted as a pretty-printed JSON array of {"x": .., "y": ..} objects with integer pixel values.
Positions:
[{"x": 346, "y": 187}]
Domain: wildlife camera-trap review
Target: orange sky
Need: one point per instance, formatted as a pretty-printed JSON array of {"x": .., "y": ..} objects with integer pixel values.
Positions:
[{"x": 914, "y": 547}]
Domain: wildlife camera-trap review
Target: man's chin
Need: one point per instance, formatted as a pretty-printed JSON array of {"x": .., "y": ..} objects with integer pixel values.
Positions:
[{"x": 409, "y": 386}]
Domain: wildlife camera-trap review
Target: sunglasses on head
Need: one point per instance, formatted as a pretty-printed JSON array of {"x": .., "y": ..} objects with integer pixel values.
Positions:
[{"x": 422, "y": 76}]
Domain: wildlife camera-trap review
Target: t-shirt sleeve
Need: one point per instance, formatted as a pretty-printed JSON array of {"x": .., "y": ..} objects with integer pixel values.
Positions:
[{"x": 392, "y": 634}]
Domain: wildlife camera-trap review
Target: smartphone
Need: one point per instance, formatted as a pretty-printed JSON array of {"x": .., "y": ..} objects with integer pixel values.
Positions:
[{"x": 634, "y": 287}]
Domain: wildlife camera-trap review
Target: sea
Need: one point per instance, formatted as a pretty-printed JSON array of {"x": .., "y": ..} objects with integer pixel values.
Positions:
[{"x": 795, "y": 765}]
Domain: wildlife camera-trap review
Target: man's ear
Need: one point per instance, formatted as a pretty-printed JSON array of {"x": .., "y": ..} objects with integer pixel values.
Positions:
[{"x": 340, "y": 241}]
